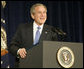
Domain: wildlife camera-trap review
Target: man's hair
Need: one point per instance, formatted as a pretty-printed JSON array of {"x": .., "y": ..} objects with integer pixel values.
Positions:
[{"x": 32, "y": 10}]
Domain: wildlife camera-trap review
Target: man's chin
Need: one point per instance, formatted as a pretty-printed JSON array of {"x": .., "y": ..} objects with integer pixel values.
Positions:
[{"x": 41, "y": 23}]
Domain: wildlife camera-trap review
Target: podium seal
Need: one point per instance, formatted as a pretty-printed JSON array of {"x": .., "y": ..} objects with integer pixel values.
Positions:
[{"x": 65, "y": 57}]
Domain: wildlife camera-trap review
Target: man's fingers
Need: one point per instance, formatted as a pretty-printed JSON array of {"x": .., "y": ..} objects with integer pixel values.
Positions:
[
  {"x": 22, "y": 52},
  {"x": 22, "y": 55}
]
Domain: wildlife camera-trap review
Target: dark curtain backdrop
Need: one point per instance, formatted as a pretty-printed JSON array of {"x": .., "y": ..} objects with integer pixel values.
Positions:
[{"x": 67, "y": 15}]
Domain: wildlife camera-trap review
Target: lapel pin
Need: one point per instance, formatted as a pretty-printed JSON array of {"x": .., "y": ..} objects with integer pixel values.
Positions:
[{"x": 46, "y": 32}]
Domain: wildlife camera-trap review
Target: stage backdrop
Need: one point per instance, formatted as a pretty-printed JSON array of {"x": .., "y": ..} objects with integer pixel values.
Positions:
[{"x": 67, "y": 15}]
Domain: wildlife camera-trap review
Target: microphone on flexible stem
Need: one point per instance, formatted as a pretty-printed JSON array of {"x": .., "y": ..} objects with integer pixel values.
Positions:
[
  {"x": 59, "y": 31},
  {"x": 61, "y": 34}
]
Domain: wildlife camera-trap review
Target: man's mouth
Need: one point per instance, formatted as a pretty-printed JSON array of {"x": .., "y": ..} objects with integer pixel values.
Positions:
[{"x": 42, "y": 18}]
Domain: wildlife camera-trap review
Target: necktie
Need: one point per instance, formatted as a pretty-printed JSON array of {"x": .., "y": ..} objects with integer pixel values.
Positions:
[{"x": 37, "y": 36}]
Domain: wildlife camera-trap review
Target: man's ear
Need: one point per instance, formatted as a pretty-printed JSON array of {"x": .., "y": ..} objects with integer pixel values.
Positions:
[{"x": 32, "y": 15}]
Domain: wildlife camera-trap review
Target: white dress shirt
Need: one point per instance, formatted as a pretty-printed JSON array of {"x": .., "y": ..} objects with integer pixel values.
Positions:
[{"x": 35, "y": 29}]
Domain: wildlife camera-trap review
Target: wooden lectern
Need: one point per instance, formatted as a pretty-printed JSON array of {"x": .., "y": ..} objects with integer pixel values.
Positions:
[{"x": 45, "y": 55}]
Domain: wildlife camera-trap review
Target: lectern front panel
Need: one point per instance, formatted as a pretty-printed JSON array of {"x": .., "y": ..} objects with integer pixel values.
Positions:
[{"x": 51, "y": 48}]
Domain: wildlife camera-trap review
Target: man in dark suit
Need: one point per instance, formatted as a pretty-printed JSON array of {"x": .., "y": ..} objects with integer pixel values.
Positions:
[{"x": 26, "y": 33}]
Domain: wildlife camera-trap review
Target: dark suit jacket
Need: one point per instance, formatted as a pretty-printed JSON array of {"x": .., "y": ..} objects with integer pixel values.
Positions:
[{"x": 24, "y": 37}]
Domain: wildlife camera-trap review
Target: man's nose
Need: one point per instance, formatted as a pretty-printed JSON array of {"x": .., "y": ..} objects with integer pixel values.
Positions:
[{"x": 42, "y": 14}]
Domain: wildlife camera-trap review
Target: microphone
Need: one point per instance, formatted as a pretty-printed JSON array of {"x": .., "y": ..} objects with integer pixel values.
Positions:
[{"x": 59, "y": 31}]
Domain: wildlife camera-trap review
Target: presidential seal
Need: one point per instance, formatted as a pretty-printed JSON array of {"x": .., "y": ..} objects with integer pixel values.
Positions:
[{"x": 65, "y": 57}]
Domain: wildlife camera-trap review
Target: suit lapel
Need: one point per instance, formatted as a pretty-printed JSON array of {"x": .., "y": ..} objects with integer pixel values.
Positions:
[
  {"x": 44, "y": 33},
  {"x": 30, "y": 33}
]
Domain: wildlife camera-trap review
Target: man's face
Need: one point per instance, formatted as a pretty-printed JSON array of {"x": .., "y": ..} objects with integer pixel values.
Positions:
[{"x": 40, "y": 15}]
